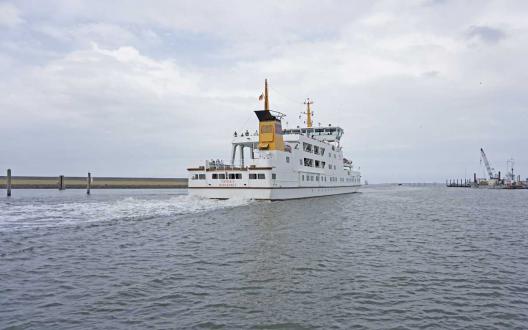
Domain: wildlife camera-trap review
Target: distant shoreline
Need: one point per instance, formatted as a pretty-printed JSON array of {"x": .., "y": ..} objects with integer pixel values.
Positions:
[{"x": 47, "y": 182}]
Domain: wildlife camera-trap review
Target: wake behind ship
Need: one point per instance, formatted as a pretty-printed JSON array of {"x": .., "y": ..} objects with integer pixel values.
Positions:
[{"x": 283, "y": 164}]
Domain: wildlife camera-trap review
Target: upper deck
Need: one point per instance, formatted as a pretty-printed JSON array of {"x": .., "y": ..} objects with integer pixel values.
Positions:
[{"x": 328, "y": 134}]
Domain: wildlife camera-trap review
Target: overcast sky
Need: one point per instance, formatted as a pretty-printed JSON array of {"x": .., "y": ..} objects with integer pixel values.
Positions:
[{"x": 148, "y": 88}]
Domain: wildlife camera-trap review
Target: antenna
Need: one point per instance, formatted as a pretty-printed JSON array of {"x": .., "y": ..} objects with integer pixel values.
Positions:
[
  {"x": 309, "y": 113},
  {"x": 266, "y": 96}
]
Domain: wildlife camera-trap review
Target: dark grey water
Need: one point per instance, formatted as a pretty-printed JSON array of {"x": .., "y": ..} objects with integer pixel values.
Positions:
[{"x": 389, "y": 257}]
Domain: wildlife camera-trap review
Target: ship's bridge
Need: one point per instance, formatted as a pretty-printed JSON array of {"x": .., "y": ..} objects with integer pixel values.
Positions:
[{"x": 328, "y": 134}]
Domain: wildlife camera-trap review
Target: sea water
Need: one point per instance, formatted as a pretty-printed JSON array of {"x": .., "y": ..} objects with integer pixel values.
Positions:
[{"x": 388, "y": 257}]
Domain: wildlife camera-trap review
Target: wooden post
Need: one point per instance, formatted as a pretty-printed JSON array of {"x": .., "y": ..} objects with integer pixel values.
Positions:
[
  {"x": 88, "y": 183},
  {"x": 8, "y": 182},
  {"x": 61, "y": 182}
]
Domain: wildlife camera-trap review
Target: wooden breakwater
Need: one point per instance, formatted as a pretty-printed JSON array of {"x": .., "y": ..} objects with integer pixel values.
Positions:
[{"x": 74, "y": 182}]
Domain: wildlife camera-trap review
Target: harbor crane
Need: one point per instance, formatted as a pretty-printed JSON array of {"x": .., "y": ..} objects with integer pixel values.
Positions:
[{"x": 487, "y": 164}]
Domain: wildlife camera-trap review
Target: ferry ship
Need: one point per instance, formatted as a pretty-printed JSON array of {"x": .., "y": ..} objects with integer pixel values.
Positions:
[{"x": 281, "y": 163}]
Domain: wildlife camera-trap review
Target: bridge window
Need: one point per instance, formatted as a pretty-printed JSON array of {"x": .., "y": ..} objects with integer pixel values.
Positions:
[
  {"x": 261, "y": 176},
  {"x": 322, "y": 150},
  {"x": 273, "y": 176},
  {"x": 316, "y": 150},
  {"x": 307, "y": 147},
  {"x": 215, "y": 176},
  {"x": 253, "y": 176},
  {"x": 308, "y": 162},
  {"x": 221, "y": 176}
]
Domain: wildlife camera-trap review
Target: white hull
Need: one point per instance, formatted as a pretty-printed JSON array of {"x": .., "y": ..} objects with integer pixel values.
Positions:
[{"x": 271, "y": 193}]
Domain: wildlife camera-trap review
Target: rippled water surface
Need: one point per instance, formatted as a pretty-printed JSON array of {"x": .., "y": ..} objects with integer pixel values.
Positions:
[{"x": 389, "y": 257}]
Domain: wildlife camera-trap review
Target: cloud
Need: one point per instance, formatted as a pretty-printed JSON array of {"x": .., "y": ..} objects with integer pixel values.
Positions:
[
  {"x": 9, "y": 15},
  {"x": 485, "y": 34},
  {"x": 163, "y": 85}
]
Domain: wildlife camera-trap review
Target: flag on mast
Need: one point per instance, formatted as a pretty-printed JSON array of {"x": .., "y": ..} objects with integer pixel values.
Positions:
[{"x": 261, "y": 97}]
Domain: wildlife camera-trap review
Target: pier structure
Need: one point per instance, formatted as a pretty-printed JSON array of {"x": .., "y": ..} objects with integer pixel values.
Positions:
[
  {"x": 10, "y": 182},
  {"x": 88, "y": 183},
  {"x": 460, "y": 183}
]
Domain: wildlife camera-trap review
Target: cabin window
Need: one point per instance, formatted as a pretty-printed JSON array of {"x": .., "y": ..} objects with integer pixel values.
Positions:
[
  {"x": 231, "y": 176},
  {"x": 303, "y": 177},
  {"x": 322, "y": 150},
  {"x": 316, "y": 150},
  {"x": 287, "y": 159},
  {"x": 261, "y": 176},
  {"x": 253, "y": 176},
  {"x": 308, "y": 162},
  {"x": 221, "y": 176},
  {"x": 273, "y": 176},
  {"x": 317, "y": 164},
  {"x": 307, "y": 147},
  {"x": 238, "y": 176},
  {"x": 215, "y": 176},
  {"x": 300, "y": 162},
  {"x": 201, "y": 176},
  {"x": 317, "y": 178}
]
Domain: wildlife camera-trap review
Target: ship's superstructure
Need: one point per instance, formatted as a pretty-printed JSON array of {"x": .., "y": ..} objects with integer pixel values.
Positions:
[{"x": 280, "y": 163}]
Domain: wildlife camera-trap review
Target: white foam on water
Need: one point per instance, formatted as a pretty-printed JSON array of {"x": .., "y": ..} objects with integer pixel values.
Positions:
[{"x": 50, "y": 214}]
